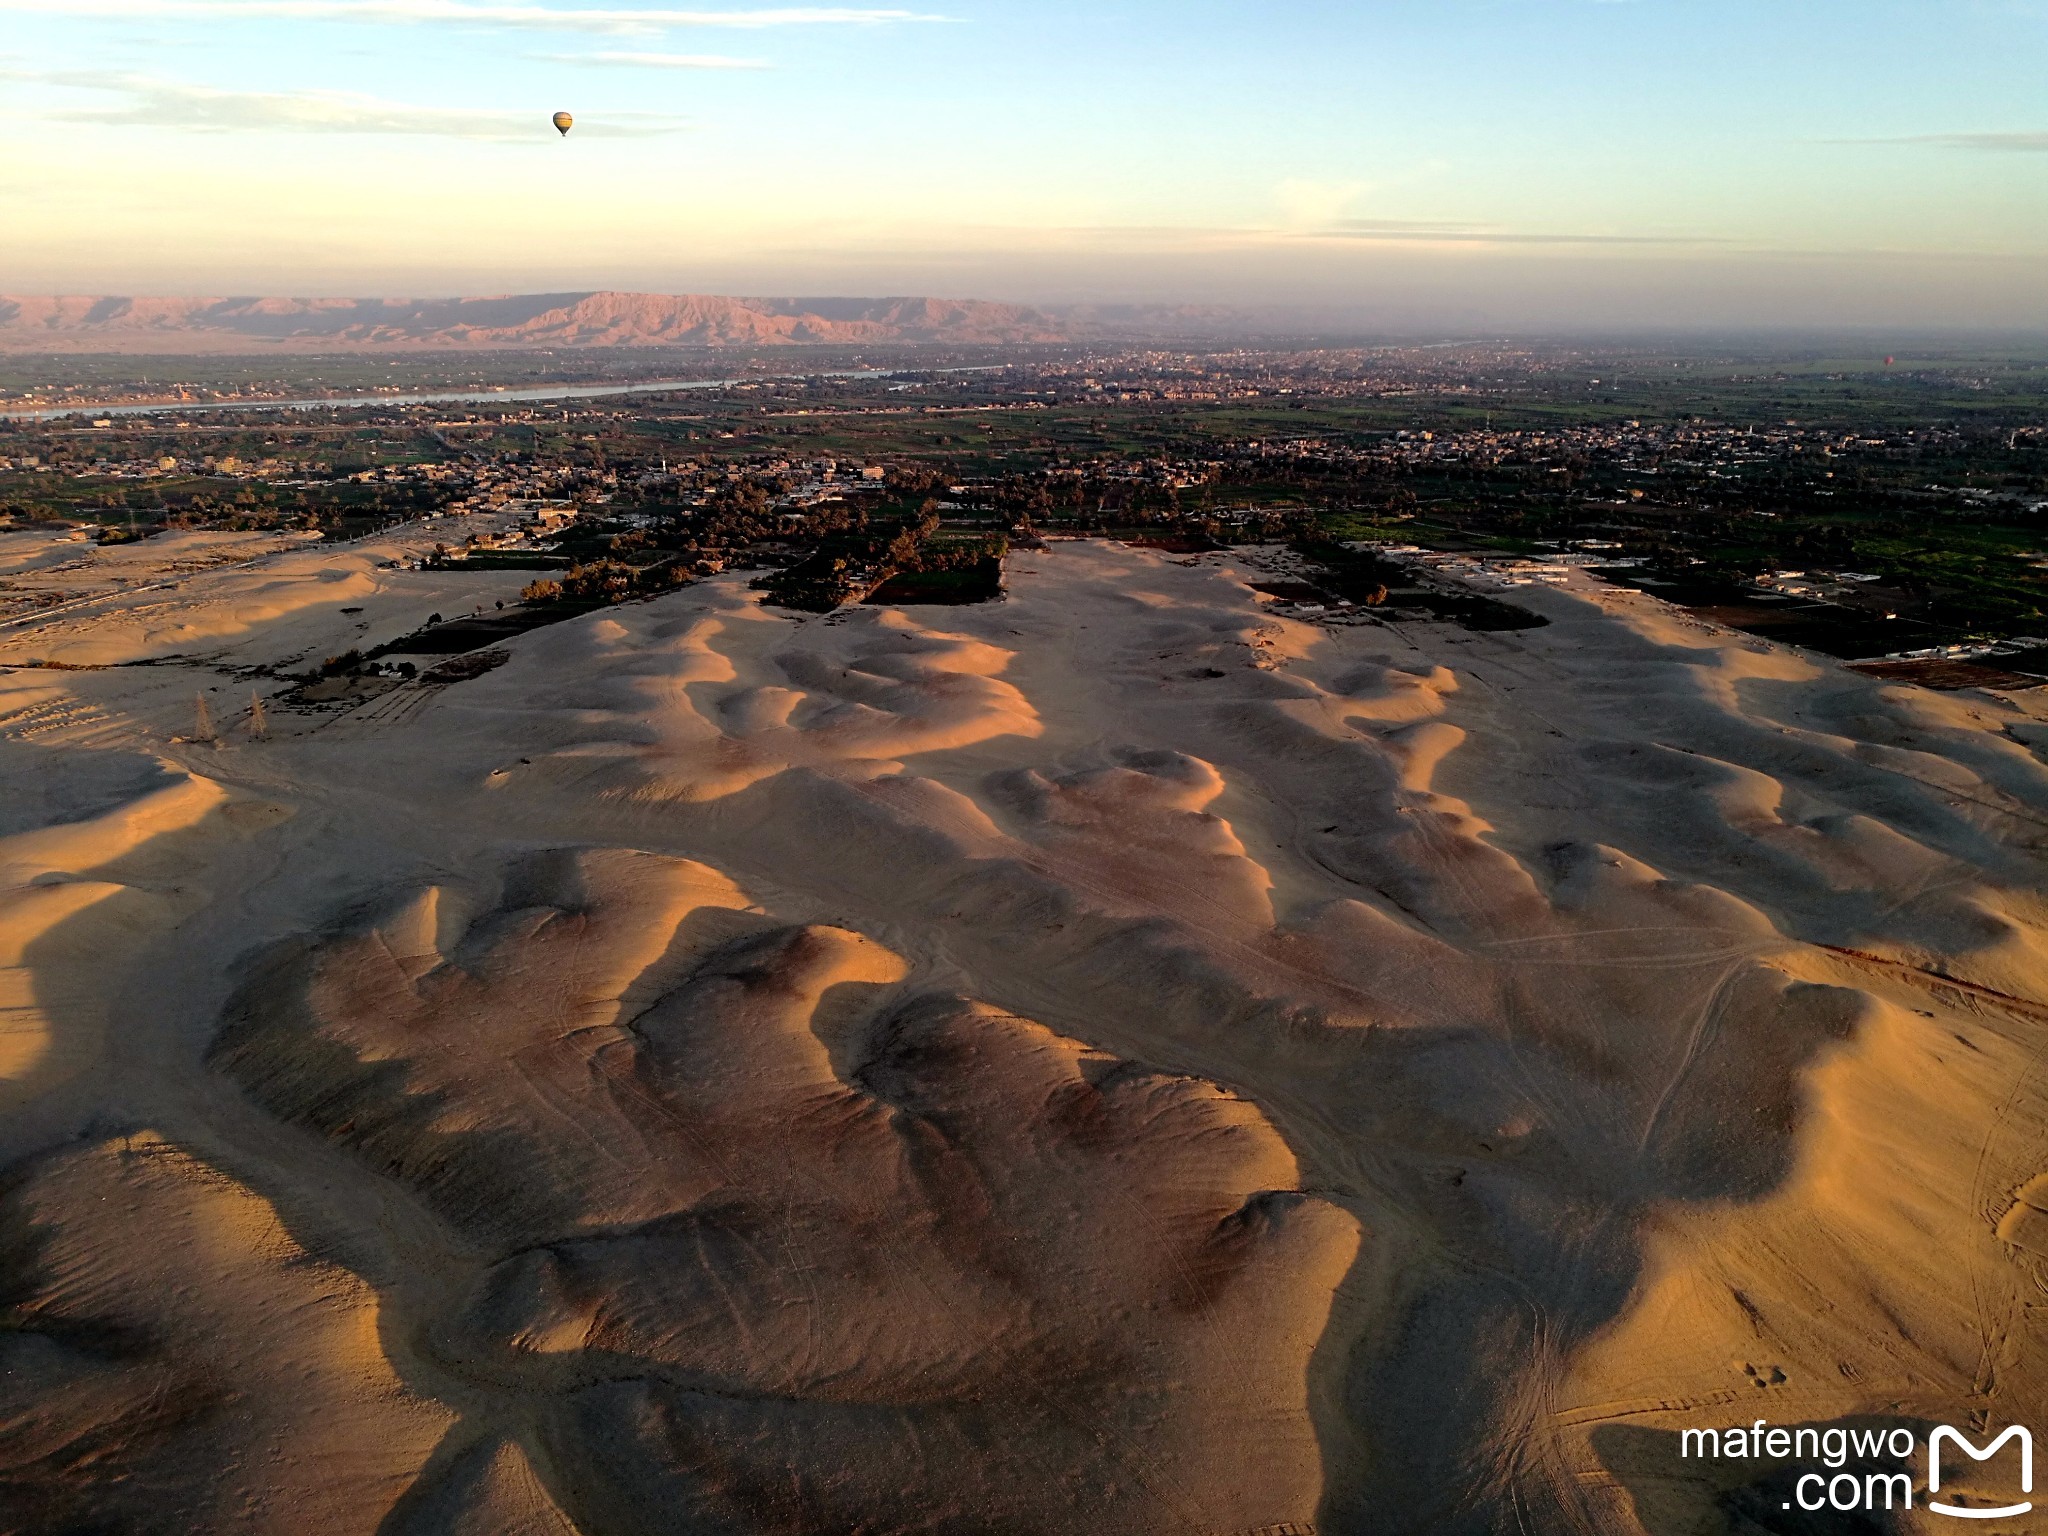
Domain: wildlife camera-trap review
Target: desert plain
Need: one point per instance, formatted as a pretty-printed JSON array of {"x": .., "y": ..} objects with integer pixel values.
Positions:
[{"x": 1115, "y": 1059}]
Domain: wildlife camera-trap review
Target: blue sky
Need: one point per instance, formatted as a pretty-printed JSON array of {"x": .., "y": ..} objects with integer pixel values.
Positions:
[{"x": 1488, "y": 160}]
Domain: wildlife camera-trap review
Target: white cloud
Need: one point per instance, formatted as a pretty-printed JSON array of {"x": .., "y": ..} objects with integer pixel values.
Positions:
[
  {"x": 657, "y": 60},
  {"x": 138, "y": 101},
  {"x": 2006, "y": 143},
  {"x": 1308, "y": 204},
  {"x": 544, "y": 17},
  {"x": 1436, "y": 233}
]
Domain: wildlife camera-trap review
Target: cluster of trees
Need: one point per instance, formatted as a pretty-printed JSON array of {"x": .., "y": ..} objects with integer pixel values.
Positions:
[
  {"x": 603, "y": 582},
  {"x": 853, "y": 561}
]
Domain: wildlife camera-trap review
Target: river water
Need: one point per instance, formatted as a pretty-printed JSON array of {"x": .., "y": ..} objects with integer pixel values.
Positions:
[{"x": 451, "y": 397}]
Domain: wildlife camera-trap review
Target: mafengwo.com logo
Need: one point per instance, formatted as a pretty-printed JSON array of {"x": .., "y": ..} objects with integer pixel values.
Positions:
[{"x": 1885, "y": 1460}]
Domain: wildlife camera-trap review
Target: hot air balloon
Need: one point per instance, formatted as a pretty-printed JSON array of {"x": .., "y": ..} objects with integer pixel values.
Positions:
[{"x": 563, "y": 123}]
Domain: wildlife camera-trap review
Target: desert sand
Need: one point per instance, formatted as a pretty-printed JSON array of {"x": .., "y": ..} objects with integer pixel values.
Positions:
[{"x": 1113, "y": 1059}]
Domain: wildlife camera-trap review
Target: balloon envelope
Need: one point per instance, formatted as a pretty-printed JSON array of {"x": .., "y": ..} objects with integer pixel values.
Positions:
[{"x": 563, "y": 121}]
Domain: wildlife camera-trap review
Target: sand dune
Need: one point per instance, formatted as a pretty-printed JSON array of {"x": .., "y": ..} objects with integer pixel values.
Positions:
[
  {"x": 1109, "y": 1059},
  {"x": 721, "y": 1163},
  {"x": 701, "y": 709},
  {"x": 207, "y": 595},
  {"x": 182, "y": 1364},
  {"x": 56, "y": 919}
]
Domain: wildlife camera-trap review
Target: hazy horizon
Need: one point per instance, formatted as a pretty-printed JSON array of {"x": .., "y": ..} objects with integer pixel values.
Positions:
[
  {"x": 1206, "y": 323},
  {"x": 1534, "y": 164}
]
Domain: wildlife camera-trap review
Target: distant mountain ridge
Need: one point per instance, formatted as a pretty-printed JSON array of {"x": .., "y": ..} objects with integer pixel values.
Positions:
[{"x": 600, "y": 319}]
